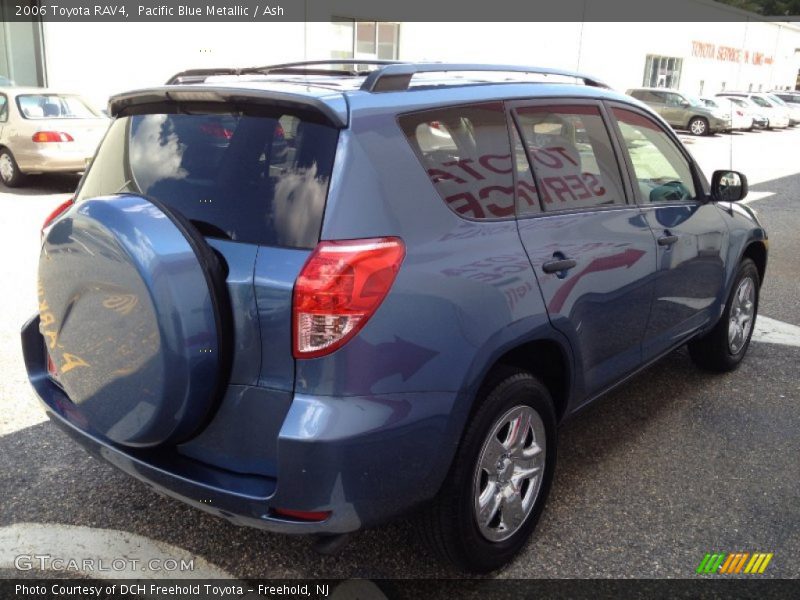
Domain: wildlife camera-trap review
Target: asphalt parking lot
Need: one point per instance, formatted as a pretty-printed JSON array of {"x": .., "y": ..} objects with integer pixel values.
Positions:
[{"x": 673, "y": 464}]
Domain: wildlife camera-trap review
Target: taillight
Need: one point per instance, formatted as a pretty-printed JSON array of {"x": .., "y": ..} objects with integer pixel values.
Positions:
[
  {"x": 339, "y": 289},
  {"x": 302, "y": 515},
  {"x": 56, "y": 213},
  {"x": 52, "y": 136}
]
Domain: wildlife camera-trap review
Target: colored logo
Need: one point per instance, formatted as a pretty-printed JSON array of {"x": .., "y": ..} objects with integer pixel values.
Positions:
[{"x": 734, "y": 563}]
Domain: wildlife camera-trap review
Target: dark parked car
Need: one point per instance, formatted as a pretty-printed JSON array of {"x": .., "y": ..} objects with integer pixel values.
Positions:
[{"x": 313, "y": 301}]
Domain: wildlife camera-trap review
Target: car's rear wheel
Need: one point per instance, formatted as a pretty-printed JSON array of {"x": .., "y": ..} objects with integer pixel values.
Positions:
[
  {"x": 498, "y": 484},
  {"x": 724, "y": 347},
  {"x": 10, "y": 174},
  {"x": 699, "y": 126}
]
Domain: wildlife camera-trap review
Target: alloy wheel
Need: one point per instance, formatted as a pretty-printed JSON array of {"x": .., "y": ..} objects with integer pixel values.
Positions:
[
  {"x": 741, "y": 315},
  {"x": 698, "y": 127},
  {"x": 509, "y": 473}
]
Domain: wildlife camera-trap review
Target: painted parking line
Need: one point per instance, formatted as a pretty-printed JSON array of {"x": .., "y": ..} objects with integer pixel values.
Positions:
[
  {"x": 98, "y": 553},
  {"x": 772, "y": 331}
]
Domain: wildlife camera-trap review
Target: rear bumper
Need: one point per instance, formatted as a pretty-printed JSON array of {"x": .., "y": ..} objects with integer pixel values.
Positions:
[
  {"x": 364, "y": 459},
  {"x": 715, "y": 124},
  {"x": 52, "y": 158}
]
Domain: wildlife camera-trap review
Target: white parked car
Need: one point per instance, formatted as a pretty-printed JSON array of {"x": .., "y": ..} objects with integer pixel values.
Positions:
[
  {"x": 794, "y": 109},
  {"x": 740, "y": 120},
  {"x": 777, "y": 115},
  {"x": 751, "y": 109}
]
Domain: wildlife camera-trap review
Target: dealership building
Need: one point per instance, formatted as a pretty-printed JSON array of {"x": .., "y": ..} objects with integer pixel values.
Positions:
[{"x": 739, "y": 52}]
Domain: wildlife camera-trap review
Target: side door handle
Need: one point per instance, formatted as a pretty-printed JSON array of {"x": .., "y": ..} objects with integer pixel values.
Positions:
[
  {"x": 557, "y": 266},
  {"x": 667, "y": 240}
]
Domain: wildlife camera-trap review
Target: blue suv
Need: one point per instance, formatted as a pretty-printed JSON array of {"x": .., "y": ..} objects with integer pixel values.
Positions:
[{"x": 313, "y": 297}]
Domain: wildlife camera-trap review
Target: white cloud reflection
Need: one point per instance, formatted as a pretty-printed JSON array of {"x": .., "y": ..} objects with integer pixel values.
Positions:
[{"x": 156, "y": 157}]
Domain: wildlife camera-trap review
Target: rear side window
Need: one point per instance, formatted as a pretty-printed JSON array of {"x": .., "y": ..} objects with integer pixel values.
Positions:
[
  {"x": 254, "y": 179},
  {"x": 572, "y": 158},
  {"x": 647, "y": 96},
  {"x": 465, "y": 151}
]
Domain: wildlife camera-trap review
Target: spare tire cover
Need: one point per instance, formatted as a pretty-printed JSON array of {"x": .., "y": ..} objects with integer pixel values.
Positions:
[{"x": 136, "y": 319}]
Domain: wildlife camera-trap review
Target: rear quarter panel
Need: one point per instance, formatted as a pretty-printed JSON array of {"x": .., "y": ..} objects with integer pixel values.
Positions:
[{"x": 465, "y": 294}]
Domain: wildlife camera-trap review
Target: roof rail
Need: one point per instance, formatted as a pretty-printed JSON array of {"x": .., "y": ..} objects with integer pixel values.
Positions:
[
  {"x": 389, "y": 76},
  {"x": 304, "y": 67},
  {"x": 351, "y": 62},
  {"x": 397, "y": 76}
]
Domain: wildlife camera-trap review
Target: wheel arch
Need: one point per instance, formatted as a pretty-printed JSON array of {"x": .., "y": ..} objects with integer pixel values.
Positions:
[
  {"x": 757, "y": 252},
  {"x": 545, "y": 358}
]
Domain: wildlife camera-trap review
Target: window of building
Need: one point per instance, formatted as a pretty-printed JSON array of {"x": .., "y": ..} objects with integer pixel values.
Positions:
[
  {"x": 364, "y": 39},
  {"x": 662, "y": 71},
  {"x": 21, "y": 50},
  {"x": 466, "y": 153}
]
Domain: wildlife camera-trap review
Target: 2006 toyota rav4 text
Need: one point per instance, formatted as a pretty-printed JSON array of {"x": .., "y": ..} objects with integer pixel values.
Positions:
[{"x": 311, "y": 300}]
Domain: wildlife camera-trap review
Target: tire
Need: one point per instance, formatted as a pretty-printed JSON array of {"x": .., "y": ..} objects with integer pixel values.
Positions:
[
  {"x": 10, "y": 174},
  {"x": 449, "y": 525},
  {"x": 699, "y": 126},
  {"x": 723, "y": 348}
]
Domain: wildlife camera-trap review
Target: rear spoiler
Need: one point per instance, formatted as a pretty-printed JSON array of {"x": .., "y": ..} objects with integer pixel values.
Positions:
[{"x": 128, "y": 102}]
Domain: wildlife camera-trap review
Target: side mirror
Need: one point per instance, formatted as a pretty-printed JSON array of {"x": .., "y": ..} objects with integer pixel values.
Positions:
[
  {"x": 685, "y": 103},
  {"x": 728, "y": 186}
]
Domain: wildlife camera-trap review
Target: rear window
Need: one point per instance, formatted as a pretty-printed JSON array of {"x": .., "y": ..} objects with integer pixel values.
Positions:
[
  {"x": 54, "y": 106},
  {"x": 243, "y": 177}
]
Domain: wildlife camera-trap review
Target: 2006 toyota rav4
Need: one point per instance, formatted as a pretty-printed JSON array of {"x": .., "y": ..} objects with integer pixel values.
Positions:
[{"x": 311, "y": 300}]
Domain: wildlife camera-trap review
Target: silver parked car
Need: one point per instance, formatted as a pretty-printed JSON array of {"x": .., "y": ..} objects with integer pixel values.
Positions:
[
  {"x": 42, "y": 131},
  {"x": 683, "y": 111}
]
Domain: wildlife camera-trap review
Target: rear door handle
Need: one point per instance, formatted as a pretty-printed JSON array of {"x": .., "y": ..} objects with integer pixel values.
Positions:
[
  {"x": 667, "y": 240},
  {"x": 556, "y": 266}
]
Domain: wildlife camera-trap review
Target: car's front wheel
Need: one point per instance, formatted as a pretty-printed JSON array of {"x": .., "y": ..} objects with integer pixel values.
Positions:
[
  {"x": 10, "y": 174},
  {"x": 498, "y": 484},
  {"x": 724, "y": 347},
  {"x": 699, "y": 126}
]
